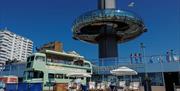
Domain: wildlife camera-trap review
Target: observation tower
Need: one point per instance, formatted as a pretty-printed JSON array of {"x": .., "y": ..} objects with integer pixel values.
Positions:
[{"x": 107, "y": 26}]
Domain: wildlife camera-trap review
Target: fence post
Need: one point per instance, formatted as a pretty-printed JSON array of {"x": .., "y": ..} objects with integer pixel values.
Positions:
[{"x": 174, "y": 85}]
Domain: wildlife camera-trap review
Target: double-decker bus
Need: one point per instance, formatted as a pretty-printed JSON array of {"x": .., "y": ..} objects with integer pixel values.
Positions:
[{"x": 52, "y": 67}]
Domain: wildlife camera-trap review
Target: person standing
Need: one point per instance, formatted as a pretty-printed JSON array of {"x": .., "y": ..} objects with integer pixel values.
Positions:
[
  {"x": 140, "y": 57},
  {"x": 136, "y": 57},
  {"x": 167, "y": 56},
  {"x": 131, "y": 58}
]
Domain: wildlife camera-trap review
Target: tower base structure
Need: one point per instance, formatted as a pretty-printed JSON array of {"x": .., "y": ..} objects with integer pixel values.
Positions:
[
  {"x": 108, "y": 47},
  {"x": 107, "y": 41},
  {"x": 108, "y": 50}
]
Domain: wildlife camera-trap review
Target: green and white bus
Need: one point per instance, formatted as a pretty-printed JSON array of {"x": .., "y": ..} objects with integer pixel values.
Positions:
[{"x": 52, "y": 67}]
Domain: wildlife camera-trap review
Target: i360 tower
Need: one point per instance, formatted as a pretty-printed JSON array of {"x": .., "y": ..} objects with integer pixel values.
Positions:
[{"x": 107, "y": 26}]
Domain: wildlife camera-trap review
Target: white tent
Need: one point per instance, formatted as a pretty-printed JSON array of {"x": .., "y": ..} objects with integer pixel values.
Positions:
[{"x": 122, "y": 71}]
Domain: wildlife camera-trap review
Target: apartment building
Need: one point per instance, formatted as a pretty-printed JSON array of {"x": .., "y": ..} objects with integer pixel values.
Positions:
[{"x": 13, "y": 46}]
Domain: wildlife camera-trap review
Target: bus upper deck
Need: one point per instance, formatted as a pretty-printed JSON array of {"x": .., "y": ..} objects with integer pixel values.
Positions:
[{"x": 54, "y": 66}]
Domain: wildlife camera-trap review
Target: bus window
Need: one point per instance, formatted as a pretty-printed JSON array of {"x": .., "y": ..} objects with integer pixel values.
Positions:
[
  {"x": 86, "y": 65},
  {"x": 65, "y": 76},
  {"x": 72, "y": 77},
  {"x": 40, "y": 58},
  {"x": 35, "y": 74},
  {"x": 79, "y": 62},
  {"x": 50, "y": 75},
  {"x": 49, "y": 60},
  {"x": 28, "y": 59},
  {"x": 60, "y": 76},
  {"x": 28, "y": 65},
  {"x": 30, "y": 74},
  {"x": 32, "y": 58},
  {"x": 88, "y": 71}
]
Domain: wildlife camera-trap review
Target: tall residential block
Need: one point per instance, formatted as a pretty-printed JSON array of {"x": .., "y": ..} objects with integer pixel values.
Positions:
[{"x": 13, "y": 46}]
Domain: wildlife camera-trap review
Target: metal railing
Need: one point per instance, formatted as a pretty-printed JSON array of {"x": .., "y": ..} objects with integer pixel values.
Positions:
[
  {"x": 154, "y": 59},
  {"x": 105, "y": 15}
]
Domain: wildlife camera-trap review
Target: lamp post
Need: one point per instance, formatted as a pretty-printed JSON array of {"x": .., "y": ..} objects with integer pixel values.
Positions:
[
  {"x": 147, "y": 84},
  {"x": 162, "y": 69}
]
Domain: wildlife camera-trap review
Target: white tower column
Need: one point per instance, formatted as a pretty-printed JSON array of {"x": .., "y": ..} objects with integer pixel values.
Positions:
[{"x": 106, "y": 4}]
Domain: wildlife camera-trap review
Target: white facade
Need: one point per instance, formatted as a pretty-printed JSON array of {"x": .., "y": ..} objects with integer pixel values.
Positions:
[{"x": 13, "y": 46}]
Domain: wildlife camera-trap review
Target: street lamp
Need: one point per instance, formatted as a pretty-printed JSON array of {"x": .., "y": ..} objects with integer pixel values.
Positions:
[
  {"x": 147, "y": 84},
  {"x": 143, "y": 56}
]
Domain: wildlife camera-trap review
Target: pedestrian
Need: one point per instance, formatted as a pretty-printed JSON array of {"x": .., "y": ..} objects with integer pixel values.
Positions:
[
  {"x": 140, "y": 57},
  {"x": 131, "y": 58},
  {"x": 167, "y": 56},
  {"x": 136, "y": 57}
]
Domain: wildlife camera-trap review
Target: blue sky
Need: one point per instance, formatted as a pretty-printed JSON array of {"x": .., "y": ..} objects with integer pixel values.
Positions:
[{"x": 49, "y": 20}]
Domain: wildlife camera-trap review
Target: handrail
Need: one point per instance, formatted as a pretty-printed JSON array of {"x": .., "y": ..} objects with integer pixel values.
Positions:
[{"x": 104, "y": 14}]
